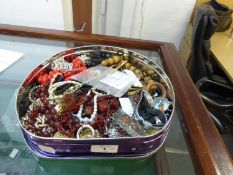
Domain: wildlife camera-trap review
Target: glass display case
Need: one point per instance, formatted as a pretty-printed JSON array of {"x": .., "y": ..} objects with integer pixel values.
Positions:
[{"x": 192, "y": 146}]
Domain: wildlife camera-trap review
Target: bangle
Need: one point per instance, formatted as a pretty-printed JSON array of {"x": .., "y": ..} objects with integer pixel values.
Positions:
[
  {"x": 154, "y": 85},
  {"x": 85, "y": 132}
]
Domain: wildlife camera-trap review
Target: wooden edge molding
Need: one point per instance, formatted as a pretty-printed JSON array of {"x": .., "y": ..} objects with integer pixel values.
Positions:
[
  {"x": 209, "y": 153},
  {"x": 74, "y": 36}
]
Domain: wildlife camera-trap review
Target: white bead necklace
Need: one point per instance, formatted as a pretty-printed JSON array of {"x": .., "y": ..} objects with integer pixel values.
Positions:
[{"x": 86, "y": 120}]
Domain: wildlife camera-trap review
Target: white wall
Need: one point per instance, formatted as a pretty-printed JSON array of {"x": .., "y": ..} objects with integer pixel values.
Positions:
[
  {"x": 114, "y": 17},
  {"x": 166, "y": 20},
  {"x": 33, "y": 13},
  {"x": 161, "y": 20}
]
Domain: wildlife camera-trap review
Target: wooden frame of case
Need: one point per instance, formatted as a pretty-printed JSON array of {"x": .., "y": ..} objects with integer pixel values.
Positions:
[{"x": 208, "y": 151}]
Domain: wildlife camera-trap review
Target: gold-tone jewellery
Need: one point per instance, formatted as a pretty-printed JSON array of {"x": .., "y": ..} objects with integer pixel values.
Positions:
[{"x": 59, "y": 89}]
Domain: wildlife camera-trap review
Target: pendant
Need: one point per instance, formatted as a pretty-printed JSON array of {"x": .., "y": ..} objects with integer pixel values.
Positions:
[{"x": 161, "y": 104}]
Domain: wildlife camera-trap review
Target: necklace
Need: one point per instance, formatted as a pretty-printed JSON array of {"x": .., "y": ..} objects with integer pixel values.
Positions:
[
  {"x": 86, "y": 120},
  {"x": 86, "y": 130},
  {"x": 73, "y": 87}
]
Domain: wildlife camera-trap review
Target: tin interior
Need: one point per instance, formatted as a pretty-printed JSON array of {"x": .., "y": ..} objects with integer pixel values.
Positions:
[{"x": 22, "y": 104}]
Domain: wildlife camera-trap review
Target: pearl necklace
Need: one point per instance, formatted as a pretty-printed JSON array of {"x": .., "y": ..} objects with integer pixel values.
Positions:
[{"x": 86, "y": 120}]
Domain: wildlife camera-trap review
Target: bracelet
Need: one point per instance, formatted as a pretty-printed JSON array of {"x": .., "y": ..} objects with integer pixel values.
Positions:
[
  {"x": 31, "y": 99},
  {"x": 60, "y": 63},
  {"x": 154, "y": 85},
  {"x": 85, "y": 132},
  {"x": 70, "y": 90},
  {"x": 66, "y": 127}
]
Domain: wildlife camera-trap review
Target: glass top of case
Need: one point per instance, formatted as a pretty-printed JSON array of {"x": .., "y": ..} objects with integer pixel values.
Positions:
[{"x": 16, "y": 158}]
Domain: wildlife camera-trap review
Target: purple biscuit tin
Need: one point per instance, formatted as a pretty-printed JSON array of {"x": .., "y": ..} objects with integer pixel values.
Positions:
[{"x": 128, "y": 146}]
